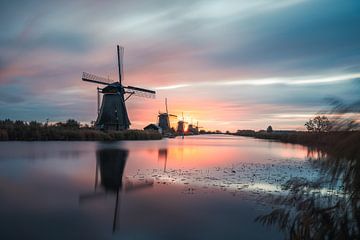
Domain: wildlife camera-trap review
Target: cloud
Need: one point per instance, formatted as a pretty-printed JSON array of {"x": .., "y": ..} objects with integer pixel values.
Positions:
[
  {"x": 307, "y": 80},
  {"x": 10, "y": 98},
  {"x": 250, "y": 59}
]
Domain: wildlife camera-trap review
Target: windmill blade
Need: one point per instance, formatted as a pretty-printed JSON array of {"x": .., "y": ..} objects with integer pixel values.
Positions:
[
  {"x": 141, "y": 89},
  {"x": 140, "y": 92},
  {"x": 88, "y": 77},
  {"x": 172, "y": 115},
  {"x": 133, "y": 186},
  {"x": 166, "y": 106},
  {"x": 87, "y": 197},
  {"x": 120, "y": 51}
]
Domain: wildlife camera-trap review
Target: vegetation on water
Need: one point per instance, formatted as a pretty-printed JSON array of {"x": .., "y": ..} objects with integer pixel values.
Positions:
[{"x": 71, "y": 130}]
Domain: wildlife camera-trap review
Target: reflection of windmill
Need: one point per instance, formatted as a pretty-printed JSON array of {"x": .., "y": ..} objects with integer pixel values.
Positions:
[
  {"x": 113, "y": 114},
  {"x": 163, "y": 154},
  {"x": 164, "y": 119},
  {"x": 111, "y": 163}
]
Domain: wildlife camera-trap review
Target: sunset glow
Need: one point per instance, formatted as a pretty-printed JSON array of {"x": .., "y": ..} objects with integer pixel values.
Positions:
[{"x": 227, "y": 65}]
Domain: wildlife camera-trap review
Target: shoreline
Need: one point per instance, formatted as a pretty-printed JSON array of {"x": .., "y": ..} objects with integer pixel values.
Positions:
[
  {"x": 343, "y": 143},
  {"x": 71, "y": 130},
  {"x": 54, "y": 134}
]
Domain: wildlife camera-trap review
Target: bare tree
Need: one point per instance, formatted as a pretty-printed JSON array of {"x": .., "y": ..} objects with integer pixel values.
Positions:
[{"x": 318, "y": 124}]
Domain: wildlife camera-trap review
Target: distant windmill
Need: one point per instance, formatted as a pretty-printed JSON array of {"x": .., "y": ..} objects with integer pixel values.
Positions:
[
  {"x": 164, "y": 119},
  {"x": 112, "y": 115},
  {"x": 181, "y": 126},
  {"x": 197, "y": 126},
  {"x": 192, "y": 129}
]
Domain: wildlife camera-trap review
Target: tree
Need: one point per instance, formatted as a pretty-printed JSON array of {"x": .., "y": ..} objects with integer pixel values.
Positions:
[
  {"x": 269, "y": 129},
  {"x": 72, "y": 123},
  {"x": 318, "y": 124}
]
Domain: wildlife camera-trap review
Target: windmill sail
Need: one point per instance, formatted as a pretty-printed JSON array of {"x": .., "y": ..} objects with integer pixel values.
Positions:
[
  {"x": 120, "y": 52},
  {"x": 140, "y": 92},
  {"x": 88, "y": 77}
]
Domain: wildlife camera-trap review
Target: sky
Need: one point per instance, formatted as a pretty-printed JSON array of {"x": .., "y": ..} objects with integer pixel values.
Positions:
[{"x": 227, "y": 64}]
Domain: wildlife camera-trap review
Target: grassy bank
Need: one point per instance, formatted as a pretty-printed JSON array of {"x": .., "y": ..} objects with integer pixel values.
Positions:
[
  {"x": 69, "y": 131},
  {"x": 341, "y": 141},
  {"x": 78, "y": 135}
]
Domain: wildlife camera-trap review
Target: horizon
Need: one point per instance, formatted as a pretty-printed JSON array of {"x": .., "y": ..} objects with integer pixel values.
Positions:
[
  {"x": 91, "y": 124},
  {"x": 230, "y": 65}
]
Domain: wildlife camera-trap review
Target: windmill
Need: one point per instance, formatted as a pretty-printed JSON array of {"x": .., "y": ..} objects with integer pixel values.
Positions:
[
  {"x": 194, "y": 129},
  {"x": 164, "y": 119},
  {"x": 112, "y": 115},
  {"x": 197, "y": 127},
  {"x": 181, "y": 126}
]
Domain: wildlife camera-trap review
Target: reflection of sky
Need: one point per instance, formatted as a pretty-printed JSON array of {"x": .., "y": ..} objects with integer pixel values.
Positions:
[
  {"x": 194, "y": 160},
  {"x": 228, "y": 64},
  {"x": 40, "y": 185}
]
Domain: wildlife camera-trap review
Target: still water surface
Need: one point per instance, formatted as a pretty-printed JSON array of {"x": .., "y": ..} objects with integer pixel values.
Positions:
[{"x": 202, "y": 187}]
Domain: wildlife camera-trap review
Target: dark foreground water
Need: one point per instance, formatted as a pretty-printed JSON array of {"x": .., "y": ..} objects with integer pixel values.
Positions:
[{"x": 202, "y": 187}]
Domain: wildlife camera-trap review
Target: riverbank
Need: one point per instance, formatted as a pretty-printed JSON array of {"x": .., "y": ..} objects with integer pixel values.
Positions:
[
  {"x": 71, "y": 130},
  {"x": 53, "y": 134},
  {"x": 340, "y": 141}
]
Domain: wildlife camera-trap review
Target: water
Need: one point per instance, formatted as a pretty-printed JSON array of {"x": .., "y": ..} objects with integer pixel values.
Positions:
[{"x": 202, "y": 187}]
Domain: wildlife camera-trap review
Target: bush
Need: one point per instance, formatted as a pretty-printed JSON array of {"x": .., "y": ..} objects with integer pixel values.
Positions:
[{"x": 269, "y": 129}]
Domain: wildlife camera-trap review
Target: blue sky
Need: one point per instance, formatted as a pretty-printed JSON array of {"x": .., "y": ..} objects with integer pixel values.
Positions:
[{"x": 228, "y": 64}]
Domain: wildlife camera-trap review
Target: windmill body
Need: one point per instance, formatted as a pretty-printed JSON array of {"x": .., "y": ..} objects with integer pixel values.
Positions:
[
  {"x": 192, "y": 129},
  {"x": 181, "y": 127},
  {"x": 112, "y": 114},
  {"x": 164, "y": 119}
]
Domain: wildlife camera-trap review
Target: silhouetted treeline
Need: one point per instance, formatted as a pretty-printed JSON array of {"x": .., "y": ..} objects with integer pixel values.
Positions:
[
  {"x": 69, "y": 130},
  {"x": 245, "y": 133},
  {"x": 210, "y": 132}
]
